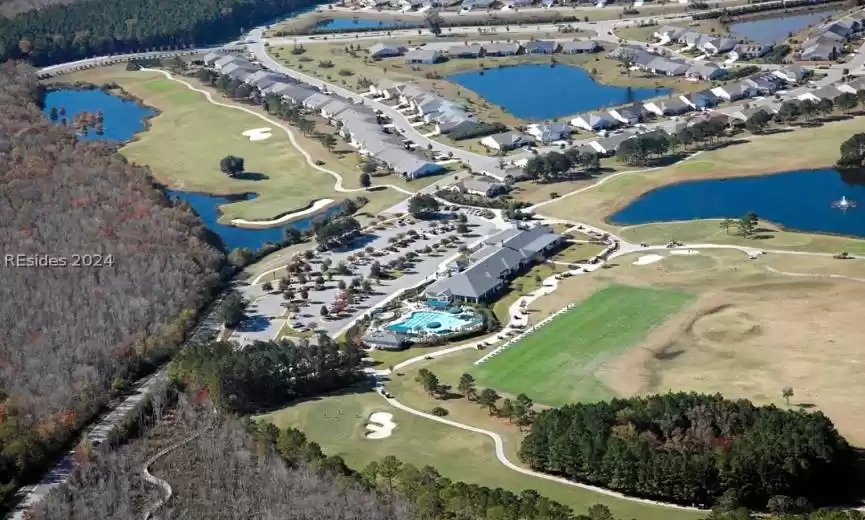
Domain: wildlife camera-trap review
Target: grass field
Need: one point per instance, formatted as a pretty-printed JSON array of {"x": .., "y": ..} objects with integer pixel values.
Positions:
[
  {"x": 187, "y": 140},
  {"x": 337, "y": 423},
  {"x": 555, "y": 364}
]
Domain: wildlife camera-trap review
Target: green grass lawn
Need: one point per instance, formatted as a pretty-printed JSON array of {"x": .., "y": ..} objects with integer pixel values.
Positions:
[
  {"x": 189, "y": 137},
  {"x": 337, "y": 423},
  {"x": 556, "y": 364}
]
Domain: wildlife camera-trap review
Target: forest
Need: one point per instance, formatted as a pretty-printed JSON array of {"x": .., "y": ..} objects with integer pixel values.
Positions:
[
  {"x": 241, "y": 469},
  {"x": 694, "y": 449},
  {"x": 265, "y": 374},
  {"x": 61, "y": 33},
  {"x": 75, "y": 335}
]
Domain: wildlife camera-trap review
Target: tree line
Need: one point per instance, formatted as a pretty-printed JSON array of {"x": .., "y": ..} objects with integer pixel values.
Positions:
[
  {"x": 73, "y": 336},
  {"x": 266, "y": 374},
  {"x": 693, "y": 449},
  {"x": 62, "y": 33},
  {"x": 555, "y": 166}
]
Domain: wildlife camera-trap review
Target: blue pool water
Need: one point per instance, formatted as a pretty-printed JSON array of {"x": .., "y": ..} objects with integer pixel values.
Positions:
[
  {"x": 337, "y": 24},
  {"x": 446, "y": 321},
  {"x": 542, "y": 92},
  {"x": 769, "y": 31},
  {"x": 121, "y": 118},
  {"x": 799, "y": 200}
]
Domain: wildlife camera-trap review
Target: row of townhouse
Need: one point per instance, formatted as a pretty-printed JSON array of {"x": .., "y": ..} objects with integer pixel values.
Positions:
[
  {"x": 711, "y": 44},
  {"x": 641, "y": 59},
  {"x": 627, "y": 116},
  {"x": 443, "y": 114},
  {"x": 468, "y": 5},
  {"x": 731, "y": 117},
  {"x": 428, "y": 56},
  {"x": 827, "y": 41},
  {"x": 357, "y": 123}
]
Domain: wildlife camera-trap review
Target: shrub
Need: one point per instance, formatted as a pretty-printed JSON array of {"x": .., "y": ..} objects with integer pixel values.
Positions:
[{"x": 438, "y": 411}]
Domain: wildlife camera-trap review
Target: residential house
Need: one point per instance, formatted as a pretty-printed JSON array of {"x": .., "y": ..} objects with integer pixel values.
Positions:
[
  {"x": 408, "y": 5},
  {"x": 749, "y": 51},
  {"x": 336, "y": 106},
  {"x": 517, "y": 3},
  {"x": 409, "y": 92},
  {"x": 629, "y": 115},
  {"x": 225, "y": 61},
  {"x": 384, "y": 50},
  {"x": 211, "y": 58},
  {"x": 550, "y": 131},
  {"x": 702, "y": 100},
  {"x": 735, "y": 91},
  {"x": 263, "y": 79},
  {"x": 671, "y": 126},
  {"x": 580, "y": 47},
  {"x": 713, "y": 46},
  {"x": 548, "y": 3},
  {"x": 376, "y": 3},
  {"x": 792, "y": 73},
  {"x": 541, "y": 46},
  {"x": 479, "y": 185},
  {"x": 595, "y": 121},
  {"x": 830, "y": 92},
  {"x": 316, "y": 101},
  {"x": 465, "y": 51},
  {"x": 501, "y": 49},
  {"x": 236, "y": 71},
  {"x": 297, "y": 95},
  {"x": 667, "y": 106},
  {"x": 507, "y": 140},
  {"x": 763, "y": 83},
  {"x": 667, "y": 67},
  {"x": 469, "y": 5},
  {"x": 705, "y": 70},
  {"x": 820, "y": 49},
  {"x": 503, "y": 256},
  {"x": 608, "y": 146},
  {"x": 853, "y": 87},
  {"x": 407, "y": 164},
  {"x": 386, "y": 88},
  {"x": 423, "y": 56},
  {"x": 668, "y": 33}
]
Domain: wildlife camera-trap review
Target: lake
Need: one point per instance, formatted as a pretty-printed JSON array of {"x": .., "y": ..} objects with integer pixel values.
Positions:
[
  {"x": 122, "y": 120},
  {"x": 537, "y": 92},
  {"x": 798, "y": 200},
  {"x": 769, "y": 31},
  {"x": 343, "y": 24}
]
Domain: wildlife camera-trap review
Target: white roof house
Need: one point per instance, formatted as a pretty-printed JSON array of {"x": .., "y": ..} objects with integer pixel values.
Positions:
[
  {"x": 594, "y": 121},
  {"x": 384, "y": 50},
  {"x": 550, "y": 131},
  {"x": 506, "y": 140}
]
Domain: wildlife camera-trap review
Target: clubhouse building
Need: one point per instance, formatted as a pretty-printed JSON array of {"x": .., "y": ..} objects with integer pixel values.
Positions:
[{"x": 500, "y": 258}]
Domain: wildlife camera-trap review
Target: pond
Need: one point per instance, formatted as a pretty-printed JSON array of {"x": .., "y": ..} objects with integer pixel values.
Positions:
[
  {"x": 122, "y": 120},
  {"x": 798, "y": 200},
  {"x": 770, "y": 31},
  {"x": 207, "y": 208},
  {"x": 355, "y": 24},
  {"x": 537, "y": 92}
]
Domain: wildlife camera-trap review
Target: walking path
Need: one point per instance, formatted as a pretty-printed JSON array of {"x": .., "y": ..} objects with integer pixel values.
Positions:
[{"x": 158, "y": 482}]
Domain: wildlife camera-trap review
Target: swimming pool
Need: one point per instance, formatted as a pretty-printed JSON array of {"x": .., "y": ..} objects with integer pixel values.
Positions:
[{"x": 433, "y": 321}]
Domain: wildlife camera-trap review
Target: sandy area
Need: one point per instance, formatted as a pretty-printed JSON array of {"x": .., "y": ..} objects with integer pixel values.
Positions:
[
  {"x": 258, "y": 134},
  {"x": 753, "y": 341},
  {"x": 316, "y": 206},
  {"x": 684, "y": 252},
  {"x": 648, "y": 259},
  {"x": 380, "y": 425}
]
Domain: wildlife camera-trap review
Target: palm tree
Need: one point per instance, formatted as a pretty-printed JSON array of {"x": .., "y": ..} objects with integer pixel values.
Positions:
[{"x": 726, "y": 224}]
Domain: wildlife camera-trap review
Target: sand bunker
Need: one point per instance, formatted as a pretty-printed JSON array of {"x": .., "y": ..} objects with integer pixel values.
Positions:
[
  {"x": 288, "y": 217},
  {"x": 380, "y": 425},
  {"x": 258, "y": 134},
  {"x": 687, "y": 252},
  {"x": 648, "y": 259}
]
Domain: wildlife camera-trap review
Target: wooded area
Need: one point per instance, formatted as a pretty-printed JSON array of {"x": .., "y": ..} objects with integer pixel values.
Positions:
[
  {"x": 72, "y": 334},
  {"x": 243, "y": 470},
  {"x": 694, "y": 449},
  {"x": 266, "y": 373},
  {"x": 62, "y": 33}
]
